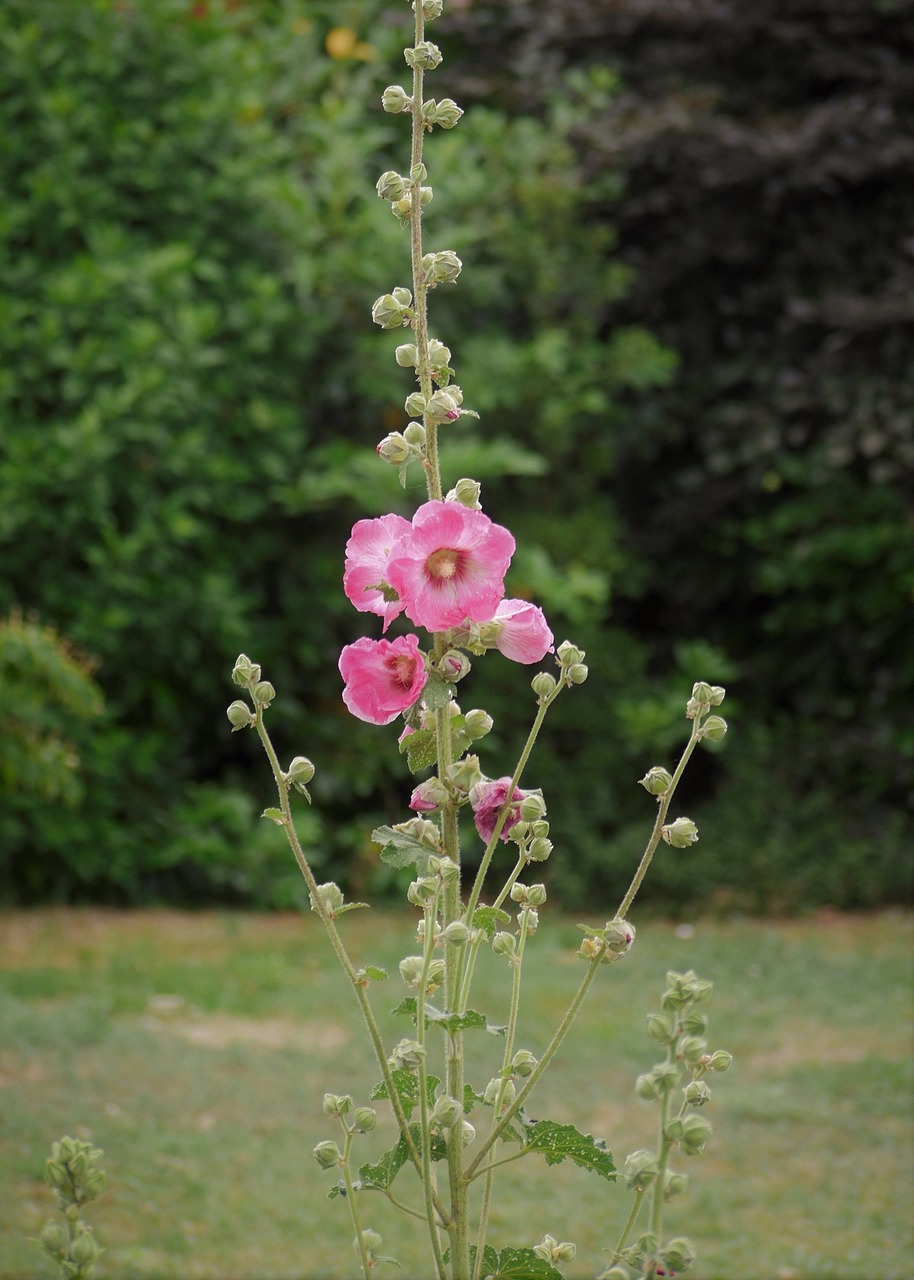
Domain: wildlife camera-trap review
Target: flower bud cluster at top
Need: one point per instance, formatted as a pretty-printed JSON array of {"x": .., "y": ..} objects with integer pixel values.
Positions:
[{"x": 73, "y": 1172}]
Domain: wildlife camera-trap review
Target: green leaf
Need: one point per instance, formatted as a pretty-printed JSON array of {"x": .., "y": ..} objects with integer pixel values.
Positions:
[
  {"x": 406, "y": 1084},
  {"x": 437, "y": 693},
  {"x": 470, "y": 1098},
  {"x": 275, "y": 815},
  {"x": 399, "y": 849},
  {"x": 514, "y": 1264},
  {"x": 451, "y": 1022},
  {"x": 372, "y": 973},
  {"x": 349, "y": 906},
  {"x": 489, "y": 919},
  {"x": 558, "y": 1142},
  {"x": 420, "y": 749},
  {"x": 378, "y": 1177}
]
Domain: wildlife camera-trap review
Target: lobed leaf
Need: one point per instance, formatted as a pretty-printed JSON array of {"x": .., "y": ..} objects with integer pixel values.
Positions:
[{"x": 558, "y": 1142}]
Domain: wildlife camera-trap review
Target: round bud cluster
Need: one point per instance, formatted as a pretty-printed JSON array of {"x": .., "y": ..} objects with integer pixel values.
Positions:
[
  {"x": 424, "y": 56},
  {"x": 393, "y": 310}
]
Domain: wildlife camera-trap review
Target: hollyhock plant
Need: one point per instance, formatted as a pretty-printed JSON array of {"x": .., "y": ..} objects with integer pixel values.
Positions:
[
  {"x": 383, "y": 677},
  {"x": 367, "y": 555},
  {"x": 487, "y": 799},
  {"x": 519, "y": 630},
  {"x": 451, "y": 567}
]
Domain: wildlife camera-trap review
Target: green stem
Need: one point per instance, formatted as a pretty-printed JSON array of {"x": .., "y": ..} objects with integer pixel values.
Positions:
[
  {"x": 476, "y": 945},
  {"x": 656, "y": 835},
  {"x": 517, "y": 964},
  {"x": 339, "y": 948},
  {"x": 427, "y": 1171},
  {"x": 534, "y": 1077},
  {"x": 352, "y": 1202},
  {"x": 663, "y": 1152},
  {"x": 629, "y": 1223}
]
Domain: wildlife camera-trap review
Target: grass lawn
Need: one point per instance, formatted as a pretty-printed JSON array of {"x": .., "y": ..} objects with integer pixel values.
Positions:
[{"x": 195, "y": 1048}]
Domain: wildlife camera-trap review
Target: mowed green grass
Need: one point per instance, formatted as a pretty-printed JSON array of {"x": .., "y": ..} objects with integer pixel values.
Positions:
[{"x": 196, "y": 1048}]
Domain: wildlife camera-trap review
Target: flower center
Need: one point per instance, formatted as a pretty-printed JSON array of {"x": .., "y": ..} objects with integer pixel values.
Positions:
[
  {"x": 402, "y": 669},
  {"x": 443, "y": 564}
]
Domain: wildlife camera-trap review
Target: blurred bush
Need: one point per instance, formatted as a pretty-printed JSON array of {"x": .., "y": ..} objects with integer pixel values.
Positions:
[{"x": 190, "y": 394}]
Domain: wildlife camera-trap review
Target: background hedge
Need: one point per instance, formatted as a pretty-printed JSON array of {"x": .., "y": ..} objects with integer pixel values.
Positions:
[{"x": 682, "y": 318}]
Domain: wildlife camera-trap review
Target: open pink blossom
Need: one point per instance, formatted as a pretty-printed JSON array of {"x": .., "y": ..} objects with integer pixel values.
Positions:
[
  {"x": 383, "y": 677},
  {"x": 520, "y": 631},
  {"x": 367, "y": 553},
  {"x": 487, "y": 799},
  {"x": 452, "y": 566}
]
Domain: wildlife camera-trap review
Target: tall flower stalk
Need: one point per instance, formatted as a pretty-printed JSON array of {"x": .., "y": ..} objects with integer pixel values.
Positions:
[{"x": 444, "y": 569}]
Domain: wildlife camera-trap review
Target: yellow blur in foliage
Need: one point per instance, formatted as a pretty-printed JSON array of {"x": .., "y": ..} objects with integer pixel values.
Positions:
[{"x": 343, "y": 42}]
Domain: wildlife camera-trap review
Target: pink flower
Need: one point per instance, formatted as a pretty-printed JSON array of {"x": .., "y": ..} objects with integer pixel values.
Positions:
[
  {"x": 452, "y": 566},
  {"x": 487, "y": 799},
  {"x": 383, "y": 677},
  {"x": 521, "y": 632},
  {"x": 367, "y": 553}
]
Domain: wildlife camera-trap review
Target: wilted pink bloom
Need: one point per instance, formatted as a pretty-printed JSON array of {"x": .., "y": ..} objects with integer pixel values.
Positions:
[
  {"x": 383, "y": 677},
  {"x": 367, "y": 553},
  {"x": 521, "y": 632},
  {"x": 487, "y": 800},
  {"x": 452, "y": 566}
]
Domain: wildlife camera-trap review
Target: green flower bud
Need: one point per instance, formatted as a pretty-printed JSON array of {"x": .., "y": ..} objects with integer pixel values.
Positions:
[
  {"x": 565, "y": 1251},
  {"x": 411, "y": 969},
  {"x": 619, "y": 935},
  {"x": 701, "y": 692},
  {"x": 657, "y": 780},
  {"x": 415, "y": 404},
  {"x": 543, "y": 685},
  {"x": 492, "y": 1091},
  {"x": 720, "y": 1060},
  {"x": 240, "y": 716},
  {"x": 418, "y": 173},
  {"x": 523, "y": 1063},
  {"x": 395, "y": 449},
  {"x": 680, "y": 834},
  {"x": 406, "y": 355},
  {"x": 691, "y": 1132},
  {"x": 444, "y": 267},
  {"x": 364, "y": 1119},
  {"x": 421, "y": 829},
  {"x": 84, "y": 1250},
  {"x": 443, "y": 406},
  {"x": 446, "y": 1112},
  {"x": 439, "y": 357},
  {"x": 674, "y": 1184},
  {"x": 504, "y": 944},
  {"x": 245, "y": 672},
  {"x": 54, "y": 1237},
  {"x": 660, "y": 1027},
  {"x": 641, "y": 1169},
  {"x": 568, "y": 654},
  {"x": 263, "y": 693},
  {"x": 577, "y": 673},
  {"x": 465, "y": 774},
  {"x": 425, "y": 196},
  {"x": 714, "y": 728},
  {"x": 424, "y": 55},
  {"x": 387, "y": 312},
  {"x": 695, "y": 1023},
  {"x": 445, "y": 113},
  {"x": 528, "y": 919},
  {"x": 532, "y": 807},
  {"x": 408, "y": 1053},
  {"x": 371, "y": 1241},
  {"x": 415, "y": 435},
  {"x": 432, "y": 9},
  {"x": 446, "y": 869},
  {"x": 544, "y": 1248},
  {"x": 691, "y": 1049},
  {"x": 536, "y": 895},
  {"x": 422, "y": 892},
  {"x": 718, "y": 693},
  {"x": 454, "y": 666},
  {"x": 667, "y": 1076},
  {"x": 477, "y": 724},
  {"x": 300, "y": 771},
  {"x": 337, "y": 1104},
  {"x": 696, "y": 1093},
  {"x": 395, "y": 99},
  {"x": 402, "y": 296},
  {"x": 457, "y": 934},
  {"x": 678, "y": 1255},
  {"x": 539, "y": 849},
  {"x": 646, "y": 1086},
  {"x": 467, "y": 1133},
  {"x": 327, "y": 1155},
  {"x": 331, "y": 895},
  {"x": 590, "y": 949},
  {"x": 391, "y": 186}
]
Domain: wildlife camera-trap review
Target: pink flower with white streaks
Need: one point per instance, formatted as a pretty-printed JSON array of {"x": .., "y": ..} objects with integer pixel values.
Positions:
[
  {"x": 487, "y": 799},
  {"x": 383, "y": 677},
  {"x": 451, "y": 567},
  {"x": 367, "y": 554},
  {"x": 520, "y": 631}
]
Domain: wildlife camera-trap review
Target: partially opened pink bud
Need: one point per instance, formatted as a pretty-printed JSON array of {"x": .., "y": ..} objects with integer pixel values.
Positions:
[
  {"x": 520, "y": 631},
  {"x": 487, "y": 799}
]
